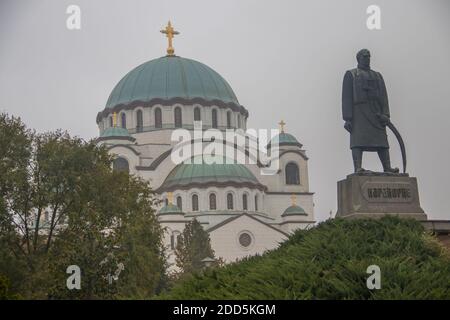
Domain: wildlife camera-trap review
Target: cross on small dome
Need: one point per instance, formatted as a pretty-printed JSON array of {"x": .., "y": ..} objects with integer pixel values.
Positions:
[{"x": 282, "y": 124}]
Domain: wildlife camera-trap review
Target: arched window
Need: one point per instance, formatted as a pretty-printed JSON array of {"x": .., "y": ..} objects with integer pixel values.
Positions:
[
  {"x": 194, "y": 202},
  {"x": 110, "y": 121},
  {"x": 166, "y": 201},
  {"x": 244, "y": 202},
  {"x": 197, "y": 115},
  {"x": 178, "y": 119},
  {"x": 239, "y": 121},
  {"x": 174, "y": 238},
  {"x": 121, "y": 164},
  {"x": 256, "y": 202},
  {"x": 158, "y": 118},
  {"x": 229, "y": 119},
  {"x": 292, "y": 173},
  {"x": 123, "y": 120},
  {"x": 180, "y": 203},
  {"x": 212, "y": 202},
  {"x": 214, "y": 118},
  {"x": 139, "y": 121},
  {"x": 230, "y": 203}
]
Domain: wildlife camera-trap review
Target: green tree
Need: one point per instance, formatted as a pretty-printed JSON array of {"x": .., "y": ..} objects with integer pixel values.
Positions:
[
  {"x": 142, "y": 252},
  {"x": 125, "y": 232},
  {"x": 62, "y": 204},
  {"x": 5, "y": 290},
  {"x": 15, "y": 152},
  {"x": 193, "y": 246}
]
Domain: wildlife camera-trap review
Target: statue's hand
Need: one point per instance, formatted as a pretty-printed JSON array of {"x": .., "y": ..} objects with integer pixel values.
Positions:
[
  {"x": 348, "y": 126},
  {"x": 383, "y": 119}
]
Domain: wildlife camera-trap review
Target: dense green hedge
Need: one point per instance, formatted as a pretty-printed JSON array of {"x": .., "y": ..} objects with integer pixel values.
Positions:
[{"x": 330, "y": 262}]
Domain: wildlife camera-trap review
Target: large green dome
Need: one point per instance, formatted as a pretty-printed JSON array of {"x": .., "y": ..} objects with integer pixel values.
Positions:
[
  {"x": 171, "y": 77},
  {"x": 205, "y": 173}
]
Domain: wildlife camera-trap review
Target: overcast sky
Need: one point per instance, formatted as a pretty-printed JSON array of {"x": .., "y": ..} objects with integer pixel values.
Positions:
[{"x": 284, "y": 60}]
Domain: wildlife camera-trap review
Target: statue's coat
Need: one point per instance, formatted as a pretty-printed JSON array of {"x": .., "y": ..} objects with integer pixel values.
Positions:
[{"x": 364, "y": 96}]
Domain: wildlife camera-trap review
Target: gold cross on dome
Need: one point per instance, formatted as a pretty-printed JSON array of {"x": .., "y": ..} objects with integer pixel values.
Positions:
[
  {"x": 114, "y": 119},
  {"x": 282, "y": 124},
  {"x": 293, "y": 199},
  {"x": 170, "y": 32},
  {"x": 169, "y": 197}
]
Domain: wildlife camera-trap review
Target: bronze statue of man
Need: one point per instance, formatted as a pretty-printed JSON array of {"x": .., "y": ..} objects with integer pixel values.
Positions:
[{"x": 365, "y": 110}]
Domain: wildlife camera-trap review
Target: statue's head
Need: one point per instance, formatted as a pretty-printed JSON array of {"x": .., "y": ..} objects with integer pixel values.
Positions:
[{"x": 363, "y": 58}]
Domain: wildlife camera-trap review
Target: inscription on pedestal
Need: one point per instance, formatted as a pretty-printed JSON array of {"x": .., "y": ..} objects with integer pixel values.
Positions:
[{"x": 387, "y": 192}]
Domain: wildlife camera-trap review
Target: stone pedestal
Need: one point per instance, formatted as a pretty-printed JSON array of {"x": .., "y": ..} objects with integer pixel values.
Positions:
[{"x": 377, "y": 194}]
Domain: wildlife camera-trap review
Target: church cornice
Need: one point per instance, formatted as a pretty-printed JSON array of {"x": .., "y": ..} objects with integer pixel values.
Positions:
[
  {"x": 299, "y": 152},
  {"x": 124, "y": 146},
  {"x": 205, "y": 185},
  {"x": 297, "y": 222},
  {"x": 220, "y": 224},
  {"x": 116, "y": 138},
  {"x": 155, "y": 162},
  {"x": 206, "y": 213},
  {"x": 290, "y": 193}
]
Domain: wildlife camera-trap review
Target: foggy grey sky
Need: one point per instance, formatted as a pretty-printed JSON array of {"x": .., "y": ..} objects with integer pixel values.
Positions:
[{"x": 283, "y": 59}]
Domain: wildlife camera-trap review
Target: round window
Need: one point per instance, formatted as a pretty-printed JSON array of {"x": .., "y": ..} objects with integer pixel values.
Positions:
[{"x": 245, "y": 239}]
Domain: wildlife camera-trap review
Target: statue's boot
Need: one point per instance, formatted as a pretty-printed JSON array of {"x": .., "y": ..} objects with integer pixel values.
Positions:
[
  {"x": 383, "y": 154},
  {"x": 357, "y": 160},
  {"x": 391, "y": 170}
]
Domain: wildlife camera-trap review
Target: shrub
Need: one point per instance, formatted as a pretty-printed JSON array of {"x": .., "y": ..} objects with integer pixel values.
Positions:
[{"x": 330, "y": 262}]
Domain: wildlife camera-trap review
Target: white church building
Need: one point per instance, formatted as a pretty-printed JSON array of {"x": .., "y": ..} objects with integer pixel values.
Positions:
[{"x": 244, "y": 211}]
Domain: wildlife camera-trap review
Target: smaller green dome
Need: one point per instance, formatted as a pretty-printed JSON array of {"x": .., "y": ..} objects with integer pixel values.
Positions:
[
  {"x": 170, "y": 209},
  {"x": 294, "y": 210},
  {"x": 203, "y": 171},
  {"x": 115, "y": 132},
  {"x": 285, "y": 139}
]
